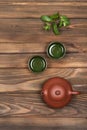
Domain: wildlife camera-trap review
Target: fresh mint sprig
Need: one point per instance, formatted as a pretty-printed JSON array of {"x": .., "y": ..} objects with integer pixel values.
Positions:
[
  {"x": 55, "y": 22},
  {"x": 46, "y": 18},
  {"x": 64, "y": 20},
  {"x": 47, "y": 26},
  {"x": 55, "y": 29}
]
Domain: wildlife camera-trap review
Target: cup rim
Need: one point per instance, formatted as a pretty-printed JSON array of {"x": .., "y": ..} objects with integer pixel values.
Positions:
[
  {"x": 29, "y": 60},
  {"x": 52, "y": 57}
]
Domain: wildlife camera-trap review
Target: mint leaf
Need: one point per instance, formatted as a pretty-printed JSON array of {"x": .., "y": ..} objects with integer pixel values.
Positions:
[
  {"x": 55, "y": 29},
  {"x": 60, "y": 24},
  {"x": 63, "y": 17},
  {"x": 54, "y": 16},
  {"x": 64, "y": 21},
  {"x": 46, "y": 18},
  {"x": 47, "y": 26},
  {"x": 55, "y": 21}
]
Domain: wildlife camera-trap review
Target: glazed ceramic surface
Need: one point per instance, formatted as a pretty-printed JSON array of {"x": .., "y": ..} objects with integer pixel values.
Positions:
[
  {"x": 37, "y": 64},
  {"x": 56, "y": 50}
]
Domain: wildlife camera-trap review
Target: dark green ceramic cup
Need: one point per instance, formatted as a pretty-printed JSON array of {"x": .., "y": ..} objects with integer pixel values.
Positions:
[
  {"x": 56, "y": 50},
  {"x": 37, "y": 64}
]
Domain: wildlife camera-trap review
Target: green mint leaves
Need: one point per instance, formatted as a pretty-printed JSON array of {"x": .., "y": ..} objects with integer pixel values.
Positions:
[
  {"x": 64, "y": 20},
  {"x": 55, "y": 29},
  {"x": 54, "y": 16},
  {"x": 47, "y": 26},
  {"x": 46, "y": 18},
  {"x": 54, "y": 22}
]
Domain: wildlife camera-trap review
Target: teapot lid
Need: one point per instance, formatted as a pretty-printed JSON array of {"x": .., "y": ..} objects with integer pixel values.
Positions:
[{"x": 57, "y": 92}]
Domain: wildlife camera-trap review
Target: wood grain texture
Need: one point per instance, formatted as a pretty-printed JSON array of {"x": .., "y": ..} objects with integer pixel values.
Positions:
[
  {"x": 14, "y": 127},
  {"x": 30, "y": 104},
  {"x": 21, "y": 60},
  {"x": 25, "y": 1},
  {"x": 20, "y": 93},
  {"x": 13, "y": 80},
  {"x": 21, "y": 37},
  {"x": 36, "y": 47},
  {"x": 31, "y": 30},
  {"x": 36, "y": 9},
  {"x": 36, "y": 123}
]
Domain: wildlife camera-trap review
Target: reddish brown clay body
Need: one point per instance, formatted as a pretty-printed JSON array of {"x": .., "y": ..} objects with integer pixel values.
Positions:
[{"x": 57, "y": 92}]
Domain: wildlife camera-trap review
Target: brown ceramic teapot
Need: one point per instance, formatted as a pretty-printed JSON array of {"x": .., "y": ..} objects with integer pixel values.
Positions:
[{"x": 57, "y": 92}]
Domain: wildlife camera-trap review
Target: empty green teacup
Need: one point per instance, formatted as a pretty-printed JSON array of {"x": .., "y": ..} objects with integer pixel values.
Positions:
[
  {"x": 56, "y": 50},
  {"x": 37, "y": 64}
]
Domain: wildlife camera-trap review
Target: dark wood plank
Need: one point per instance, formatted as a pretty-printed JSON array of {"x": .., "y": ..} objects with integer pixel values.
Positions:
[
  {"x": 20, "y": 93},
  {"x": 14, "y": 80},
  {"x": 45, "y": 37},
  {"x": 37, "y": 47},
  {"x": 26, "y": 1},
  {"x": 36, "y": 9},
  {"x": 30, "y": 30},
  {"x": 21, "y": 60},
  {"x": 30, "y": 104},
  {"x": 15, "y": 127},
  {"x": 19, "y": 90},
  {"x": 20, "y": 104},
  {"x": 43, "y": 123}
]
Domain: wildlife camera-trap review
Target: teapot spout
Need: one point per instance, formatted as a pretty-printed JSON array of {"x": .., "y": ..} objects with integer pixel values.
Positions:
[{"x": 74, "y": 93}]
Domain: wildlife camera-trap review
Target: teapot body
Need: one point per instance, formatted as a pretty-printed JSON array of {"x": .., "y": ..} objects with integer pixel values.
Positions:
[{"x": 57, "y": 92}]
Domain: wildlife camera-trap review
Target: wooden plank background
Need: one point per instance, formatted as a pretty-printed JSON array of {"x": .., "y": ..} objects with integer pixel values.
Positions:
[{"x": 21, "y": 37}]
